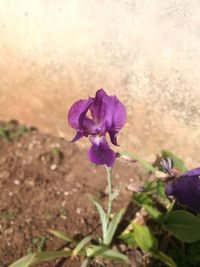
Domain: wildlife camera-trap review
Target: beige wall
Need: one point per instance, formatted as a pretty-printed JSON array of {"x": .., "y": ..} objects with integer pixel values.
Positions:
[{"x": 53, "y": 52}]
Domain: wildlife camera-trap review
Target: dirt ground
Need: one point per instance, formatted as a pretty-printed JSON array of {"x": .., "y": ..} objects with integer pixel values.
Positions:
[{"x": 46, "y": 183}]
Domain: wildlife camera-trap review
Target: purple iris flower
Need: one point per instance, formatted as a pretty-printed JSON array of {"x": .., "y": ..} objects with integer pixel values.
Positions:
[
  {"x": 93, "y": 118},
  {"x": 186, "y": 189}
]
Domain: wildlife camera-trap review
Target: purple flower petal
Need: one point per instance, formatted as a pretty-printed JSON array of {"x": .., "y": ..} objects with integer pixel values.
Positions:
[
  {"x": 100, "y": 152},
  {"x": 98, "y": 109},
  {"x": 109, "y": 113},
  {"x": 77, "y": 113},
  {"x": 186, "y": 189},
  {"x": 78, "y": 136},
  {"x": 113, "y": 138},
  {"x": 115, "y": 114},
  {"x": 192, "y": 172}
]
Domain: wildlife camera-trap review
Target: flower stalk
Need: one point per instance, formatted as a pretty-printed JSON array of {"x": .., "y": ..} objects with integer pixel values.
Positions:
[{"x": 110, "y": 192}]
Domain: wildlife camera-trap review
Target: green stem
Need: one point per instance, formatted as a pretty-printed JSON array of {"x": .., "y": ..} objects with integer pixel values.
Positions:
[{"x": 110, "y": 199}]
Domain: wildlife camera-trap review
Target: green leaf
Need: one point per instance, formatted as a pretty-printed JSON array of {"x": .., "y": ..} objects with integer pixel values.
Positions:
[
  {"x": 81, "y": 245},
  {"x": 143, "y": 237},
  {"x": 113, "y": 227},
  {"x": 62, "y": 236},
  {"x": 183, "y": 225},
  {"x": 147, "y": 166},
  {"x": 102, "y": 251},
  {"x": 142, "y": 198},
  {"x": 164, "y": 258},
  {"x": 154, "y": 213},
  {"x": 178, "y": 163},
  {"x": 23, "y": 262},
  {"x": 129, "y": 239},
  {"x": 103, "y": 218},
  {"x": 39, "y": 257}
]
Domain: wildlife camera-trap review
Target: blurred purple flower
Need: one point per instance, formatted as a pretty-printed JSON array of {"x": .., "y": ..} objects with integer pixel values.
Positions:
[
  {"x": 93, "y": 118},
  {"x": 186, "y": 189}
]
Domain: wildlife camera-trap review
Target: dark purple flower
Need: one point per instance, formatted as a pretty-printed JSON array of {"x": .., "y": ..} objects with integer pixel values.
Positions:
[
  {"x": 93, "y": 118},
  {"x": 186, "y": 189}
]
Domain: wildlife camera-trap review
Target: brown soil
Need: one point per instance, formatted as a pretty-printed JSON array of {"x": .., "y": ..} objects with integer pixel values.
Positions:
[{"x": 46, "y": 182}]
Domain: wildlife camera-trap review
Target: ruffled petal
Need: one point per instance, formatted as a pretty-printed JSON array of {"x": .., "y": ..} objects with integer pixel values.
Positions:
[
  {"x": 186, "y": 189},
  {"x": 77, "y": 113},
  {"x": 109, "y": 113},
  {"x": 100, "y": 152},
  {"x": 115, "y": 114},
  {"x": 98, "y": 109}
]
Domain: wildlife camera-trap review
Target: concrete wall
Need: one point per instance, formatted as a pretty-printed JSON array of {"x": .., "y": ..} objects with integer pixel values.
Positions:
[{"x": 53, "y": 52}]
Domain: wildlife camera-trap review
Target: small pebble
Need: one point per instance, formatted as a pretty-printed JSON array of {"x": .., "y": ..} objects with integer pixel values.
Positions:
[
  {"x": 53, "y": 167},
  {"x": 66, "y": 193},
  {"x": 30, "y": 183},
  {"x": 10, "y": 194},
  {"x": 16, "y": 182},
  {"x": 78, "y": 210}
]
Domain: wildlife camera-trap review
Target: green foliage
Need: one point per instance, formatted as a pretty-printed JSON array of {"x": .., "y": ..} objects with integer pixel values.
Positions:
[
  {"x": 146, "y": 165},
  {"x": 128, "y": 238},
  {"x": 62, "y": 236},
  {"x": 105, "y": 252},
  {"x": 36, "y": 258},
  {"x": 164, "y": 258},
  {"x": 40, "y": 242},
  {"x": 153, "y": 197},
  {"x": 56, "y": 151},
  {"x": 183, "y": 225},
  {"x": 12, "y": 130},
  {"x": 149, "y": 231},
  {"x": 8, "y": 214},
  {"x": 189, "y": 256},
  {"x": 81, "y": 245},
  {"x": 154, "y": 213},
  {"x": 144, "y": 238},
  {"x": 103, "y": 217},
  {"x": 112, "y": 227}
]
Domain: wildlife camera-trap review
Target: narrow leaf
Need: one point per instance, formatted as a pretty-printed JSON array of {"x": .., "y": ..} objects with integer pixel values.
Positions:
[
  {"x": 154, "y": 213},
  {"x": 62, "y": 236},
  {"x": 104, "y": 252},
  {"x": 81, "y": 245},
  {"x": 183, "y": 225},
  {"x": 39, "y": 257},
  {"x": 23, "y": 262},
  {"x": 164, "y": 258},
  {"x": 143, "y": 237},
  {"x": 113, "y": 227},
  {"x": 103, "y": 218},
  {"x": 146, "y": 165},
  {"x": 50, "y": 255}
]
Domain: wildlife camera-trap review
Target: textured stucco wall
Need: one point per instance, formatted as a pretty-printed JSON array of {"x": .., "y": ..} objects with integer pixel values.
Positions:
[{"x": 146, "y": 52}]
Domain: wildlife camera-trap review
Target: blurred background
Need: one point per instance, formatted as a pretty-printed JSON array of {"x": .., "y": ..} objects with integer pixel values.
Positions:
[{"x": 145, "y": 52}]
